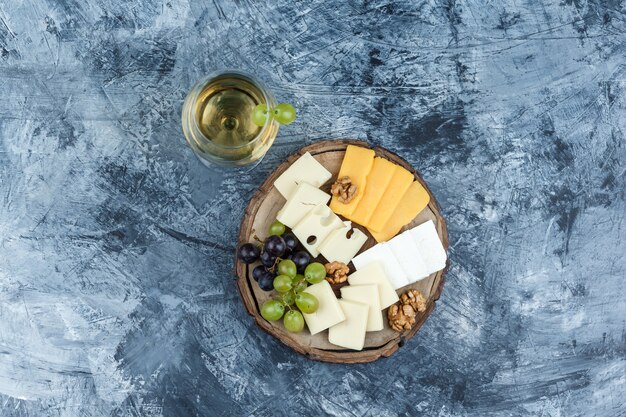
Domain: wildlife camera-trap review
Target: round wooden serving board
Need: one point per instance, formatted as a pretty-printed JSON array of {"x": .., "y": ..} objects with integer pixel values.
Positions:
[{"x": 262, "y": 211}]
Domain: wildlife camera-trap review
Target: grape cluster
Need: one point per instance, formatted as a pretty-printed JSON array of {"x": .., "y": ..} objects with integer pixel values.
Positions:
[{"x": 287, "y": 268}]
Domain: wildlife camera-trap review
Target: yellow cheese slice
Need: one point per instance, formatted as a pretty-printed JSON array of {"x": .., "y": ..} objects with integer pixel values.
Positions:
[
  {"x": 400, "y": 182},
  {"x": 414, "y": 200},
  {"x": 357, "y": 163},
  {"x": 377, "y": 181}
]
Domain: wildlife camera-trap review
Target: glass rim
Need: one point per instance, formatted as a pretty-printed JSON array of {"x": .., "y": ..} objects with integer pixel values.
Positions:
[{"x": 267, "y": 97}]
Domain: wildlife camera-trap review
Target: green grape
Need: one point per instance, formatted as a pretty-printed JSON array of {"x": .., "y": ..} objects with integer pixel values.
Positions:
[
  {"x": 287, "y": 267},
  {"x": 315, "y": 272},
  {"x": 272, "y": 310},
  {"x": 289, "y": 298},
  {"x": 307, "y": 303},
  {"x": 276, "y": 228},
  {"x": 260, "y": 114},
  {"x": 299, "y": 283},
  {"x": 282, "y": 283},
  {"x": 284, "y": 113},
  {"x": 293, "y": 321}
]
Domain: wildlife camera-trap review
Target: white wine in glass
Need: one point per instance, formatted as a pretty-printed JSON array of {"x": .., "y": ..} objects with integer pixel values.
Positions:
[{"x": 219, "y": 124}]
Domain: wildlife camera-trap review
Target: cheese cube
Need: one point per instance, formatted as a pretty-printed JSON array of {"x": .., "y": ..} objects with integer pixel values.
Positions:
[
  {"x": 366, "y": 294},
  {"x": 304, "y": 199},
  {"x": 408, "y": 255},
  {"x": 377, "y": 181},
  {"x": 350, "y": 333},
  {"x": 400, "y": 182},
  {"x": 429, "y": 246},
  {"x": 381, "y": 253},
  {"x": 357, "y": 163},
  {"x": 304, "y": 169},
  {"x": 374, "y": 273},
  {"x": 315, "y": 227},
  {"x": 339, "y": 248},
  {"x": 414, "y": 200},
  {"x": 329, "y": 311}
]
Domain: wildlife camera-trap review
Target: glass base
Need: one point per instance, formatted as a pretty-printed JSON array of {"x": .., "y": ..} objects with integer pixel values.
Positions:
[{"x": 233, "y": 169}]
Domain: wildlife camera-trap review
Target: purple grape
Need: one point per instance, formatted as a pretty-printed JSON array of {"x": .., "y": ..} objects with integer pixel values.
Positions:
[
  {"x": 267, "y": 260},
  {"x": 290, "y": 240},
  {"x": 257, "y": 272},
  {"x": 248, "y": 253},
  {"x": 266, "y": 281},
  {"x": 275, "y": 246},
  {"x": 301, "y": 259}
]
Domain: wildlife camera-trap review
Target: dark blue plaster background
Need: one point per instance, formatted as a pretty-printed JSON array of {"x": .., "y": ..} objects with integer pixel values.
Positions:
[{"x": 116, "y": 291}]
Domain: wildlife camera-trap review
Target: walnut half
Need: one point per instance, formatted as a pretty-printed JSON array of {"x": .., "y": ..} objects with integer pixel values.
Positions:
[
  {"x": 344, "y": 190},
  {"x": 336, "y": 272}
]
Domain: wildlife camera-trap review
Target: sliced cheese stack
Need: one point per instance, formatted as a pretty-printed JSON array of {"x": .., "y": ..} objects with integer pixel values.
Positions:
[
  {"x": 362, "y": 302},
  {"x": 409, "y": 257},
  {"x": 387, "y": 196}
]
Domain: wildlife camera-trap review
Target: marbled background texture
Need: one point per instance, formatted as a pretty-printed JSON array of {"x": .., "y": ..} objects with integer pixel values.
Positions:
[{"x": 116, "y": 284}]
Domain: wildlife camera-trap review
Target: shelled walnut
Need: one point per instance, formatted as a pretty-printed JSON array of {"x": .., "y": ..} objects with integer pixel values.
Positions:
[
  {"x": 402, "y": 315},
  {"x": 344, "y": 190},
  {"x": 336, "y": 272}
]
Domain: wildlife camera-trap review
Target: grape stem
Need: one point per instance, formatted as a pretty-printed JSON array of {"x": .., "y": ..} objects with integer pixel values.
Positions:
[{"x": 273, "y": 267}]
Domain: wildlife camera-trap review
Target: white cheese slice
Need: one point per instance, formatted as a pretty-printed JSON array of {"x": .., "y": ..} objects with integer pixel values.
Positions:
[
  {"x": 366, "y": 294},
  {"x": 315, "y": 227},
  {"x": 329, "y": 311},
  {"x": 429, "y": 246},
  {"x": 304, "y": 199},
  {"x": 350, "y": 333},
  {"x": 381, "y": 253},
  {"x": 374, "y": 273},
  {"x": 406, "y": 252},
  {"x": 304, "y": 169},
  {"x": 339, "y": 248}
]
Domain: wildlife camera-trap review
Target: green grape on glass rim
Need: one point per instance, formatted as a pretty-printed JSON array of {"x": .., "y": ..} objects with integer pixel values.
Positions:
[
  {"x": 299, "y": 283},
  {"x": 289, "y": 298},
  {"x": 276, "y": 228},
  {"x": 307, "y": 303},
  {"x": 287, "y": 267},
  {"x": 260, "y": 114},
  {"x": 272, "y": 310},
  {"x": 282, "y": 283},
  {"x": 315, "y": 272},
  {"x": 293, "y": 321},
  {"x": 284, "y": 113}
]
